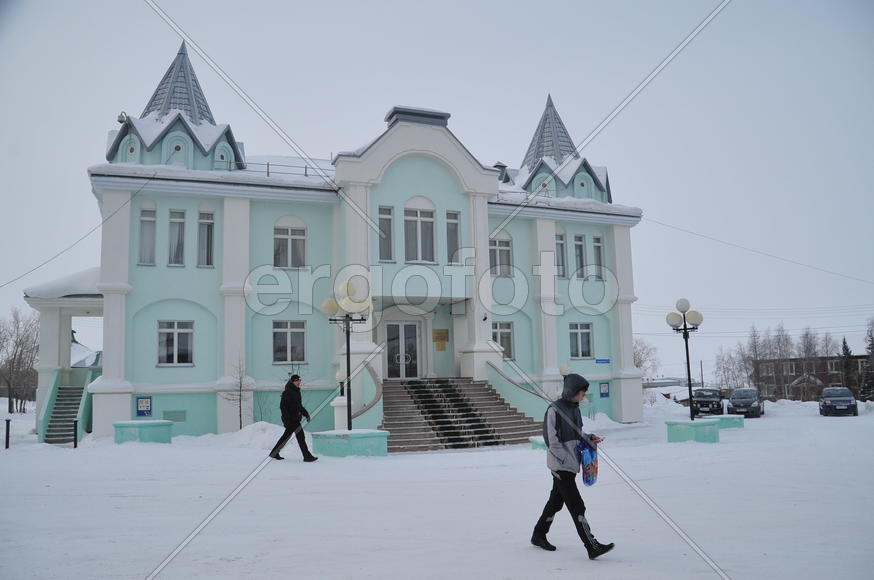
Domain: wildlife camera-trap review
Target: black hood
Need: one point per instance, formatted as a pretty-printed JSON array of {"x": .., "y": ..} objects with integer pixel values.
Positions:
[{"x": 573, "y": 384}]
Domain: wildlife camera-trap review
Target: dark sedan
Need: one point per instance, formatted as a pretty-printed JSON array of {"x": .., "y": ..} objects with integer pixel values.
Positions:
[
  {"x": 838, "y": 401},
  {"x": 747, "y": 402}
]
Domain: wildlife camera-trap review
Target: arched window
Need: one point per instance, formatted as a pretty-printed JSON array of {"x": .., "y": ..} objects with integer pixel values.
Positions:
[
  {"x": 419, "y": 230},
  {"x": 129, "y": 152},
  {"x": 177, "y": 149},
  {"x": 289, "y": 243},
  {"x": 223, "y": 157}
]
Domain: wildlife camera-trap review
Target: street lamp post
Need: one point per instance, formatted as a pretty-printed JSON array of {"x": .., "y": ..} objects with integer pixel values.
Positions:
[
  {"x": 343, "y": 313},
  {"x": 686, "y": 321}
]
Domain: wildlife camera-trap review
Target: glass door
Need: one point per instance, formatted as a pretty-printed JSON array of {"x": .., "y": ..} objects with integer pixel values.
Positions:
[{"x": 402, "y": 348}]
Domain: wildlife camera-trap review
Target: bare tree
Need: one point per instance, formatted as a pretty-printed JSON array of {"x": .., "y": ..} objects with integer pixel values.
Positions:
[
  {"x": 783, "y": 347},
  {"x": 753, "y": 353},
  {"x": 808, "y": 351},
  {"x": 237, "y": 397},
  {"x": 19, "y": 345},
  {"x": 730, "y": 369},
  {"x": 646, "y": 357}
]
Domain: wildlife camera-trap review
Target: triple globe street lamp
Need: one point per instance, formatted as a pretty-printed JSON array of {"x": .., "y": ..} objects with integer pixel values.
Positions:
[
  {"x": 346, "y": 311},
  {"x": 686, "y": 321}
]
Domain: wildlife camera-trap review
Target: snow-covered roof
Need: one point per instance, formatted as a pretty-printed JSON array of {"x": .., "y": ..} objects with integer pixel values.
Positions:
[
  {"x": 283, "y": 171},
  {"x": 78, "y": 285},
  {"x": 567, "y": 203}
]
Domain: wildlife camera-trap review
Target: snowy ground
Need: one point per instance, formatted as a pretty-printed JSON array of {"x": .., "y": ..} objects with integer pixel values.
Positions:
[{"x": 789, "y": 496}]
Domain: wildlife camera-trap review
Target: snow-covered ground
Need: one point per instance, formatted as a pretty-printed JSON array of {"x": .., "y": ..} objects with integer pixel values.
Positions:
[{"x": 788, "y": 496}]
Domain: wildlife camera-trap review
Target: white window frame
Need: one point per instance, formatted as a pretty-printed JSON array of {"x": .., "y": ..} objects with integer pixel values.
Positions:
[
  {"x": 148, "y": 216},
  {"x": 288, "y": 236},
  {"x": 577, "y": 330},
  {"x": 453, "y": 217},
  {"x": 289, "y": 327},
  {"x": 598, "y": 247},
  {"x": 580, "y": 255},
  {"x": 386, "y": 214},
  {"x": 504, "y": 329},
  {"x": 420, "y": 217},
  {"x": 499, "y": 247},
  {"x": 768, "y": 369},
  {"x": 175, "y": 330},
  {"x": 863, "y": 364},
  {"x": 834, "y": 366},
  {"x": 206, "y": 219},
  {"x": 560, "y": 256},
  {"x": 788, "y": 369},
  {"x": 176, "y": 219}
]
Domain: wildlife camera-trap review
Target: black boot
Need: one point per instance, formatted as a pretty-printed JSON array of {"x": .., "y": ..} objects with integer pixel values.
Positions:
[
  {"x": 541, "y": 542},
  {"x": 598, "y": 549},
  {"x": 276, "y": 456},
  {"x": 310, "y": 459}
]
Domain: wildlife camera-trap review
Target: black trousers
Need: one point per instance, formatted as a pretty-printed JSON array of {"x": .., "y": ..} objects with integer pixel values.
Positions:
[
  {"x": 565, "y": 493},
  {"x": 297, "y": 431}
]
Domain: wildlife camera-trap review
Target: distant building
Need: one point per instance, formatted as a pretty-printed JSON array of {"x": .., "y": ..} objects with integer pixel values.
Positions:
[{"x": 804, "y": 378}]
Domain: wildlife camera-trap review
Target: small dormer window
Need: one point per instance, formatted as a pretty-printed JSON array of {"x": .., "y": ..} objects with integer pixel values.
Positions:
[
  {"x": 222, "y": 156},
  {"x": 177, "y": 148}
]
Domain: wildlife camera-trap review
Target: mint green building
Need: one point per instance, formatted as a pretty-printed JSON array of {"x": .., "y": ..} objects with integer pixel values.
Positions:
[{"x": 215, "y": 266}]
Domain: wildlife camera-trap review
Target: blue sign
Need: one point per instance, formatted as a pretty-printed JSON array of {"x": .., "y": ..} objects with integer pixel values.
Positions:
[
  {"x": 144, "y": 406},
  {"x": 605, "y": 390},
  {"x": 602, "y": 361}
]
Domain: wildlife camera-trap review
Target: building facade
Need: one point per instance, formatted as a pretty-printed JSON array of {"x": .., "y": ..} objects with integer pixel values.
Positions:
[{"x": 215, "y": 266}]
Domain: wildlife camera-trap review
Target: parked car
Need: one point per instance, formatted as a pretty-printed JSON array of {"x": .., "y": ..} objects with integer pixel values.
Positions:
[
  {"x": 838, "y": 401},
  {"x": 707, "y": 401},
  {"x": 747, "y": 402}
]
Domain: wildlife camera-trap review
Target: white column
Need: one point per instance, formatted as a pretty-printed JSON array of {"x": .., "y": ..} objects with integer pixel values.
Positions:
[
  {"x": 544, "y": 234},
  {"x": 627, "y": 388},
  {"x": 112, "y": 391},
  {"x": 477, "y": 352},
  {"x": 235, "y": 227},
  {"x": 357, "y": 261},
  {"x": 49, "y": 357}
]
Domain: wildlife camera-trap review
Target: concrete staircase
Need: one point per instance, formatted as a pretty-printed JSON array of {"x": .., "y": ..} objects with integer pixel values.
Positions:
[
  {"x": 60, "y": 427},
  {"x": 457, "y": 413}
]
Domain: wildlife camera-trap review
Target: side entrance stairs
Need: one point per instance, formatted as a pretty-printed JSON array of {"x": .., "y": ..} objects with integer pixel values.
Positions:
[
  {"x": 60, "y": 427},
  {"x": 455, "y": 413}
]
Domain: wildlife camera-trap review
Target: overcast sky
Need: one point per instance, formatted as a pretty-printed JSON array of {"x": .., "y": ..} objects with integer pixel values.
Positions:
[{"x": 759, "y": 133}]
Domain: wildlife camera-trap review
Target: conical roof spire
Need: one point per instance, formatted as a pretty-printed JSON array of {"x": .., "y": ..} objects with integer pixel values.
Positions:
[
  {"x": 179, "y": 89},
  {"x": 551, "y": 139}
]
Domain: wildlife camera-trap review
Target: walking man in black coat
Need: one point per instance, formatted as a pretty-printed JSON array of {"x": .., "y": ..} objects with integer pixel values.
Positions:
[
  {"x": 562, "y": 433},
  {"x": 292, "y": 412}
]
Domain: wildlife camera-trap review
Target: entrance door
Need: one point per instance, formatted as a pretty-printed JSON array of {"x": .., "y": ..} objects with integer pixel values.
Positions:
[{"x": 402, "y": 342}]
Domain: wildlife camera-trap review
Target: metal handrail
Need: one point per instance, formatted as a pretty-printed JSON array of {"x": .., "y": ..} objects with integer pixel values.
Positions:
[
  {"x": 376, "y": 397},
  {"x": 516, "y": 384}
]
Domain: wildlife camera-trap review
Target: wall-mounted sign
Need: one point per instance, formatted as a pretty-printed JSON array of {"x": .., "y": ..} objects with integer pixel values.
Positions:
[
  {"x": 602, "y": 361},
  {"x": 440, "y": 336},
  {"x": 144, "y": 406},
  {"x": 605, "y": 390}
]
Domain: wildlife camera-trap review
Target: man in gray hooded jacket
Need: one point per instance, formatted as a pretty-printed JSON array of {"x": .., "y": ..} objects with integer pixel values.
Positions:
[{"x": 562, "y": 432}]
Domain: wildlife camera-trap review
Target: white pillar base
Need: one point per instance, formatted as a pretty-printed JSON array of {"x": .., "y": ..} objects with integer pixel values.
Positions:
[
  {"x": 474, "y": 361},
  {"x": 627, "y": 397},
  {"x": 340, "y": 417},
  {"x": 228, "y": 403},
  {"x": 552, "y": 383}
]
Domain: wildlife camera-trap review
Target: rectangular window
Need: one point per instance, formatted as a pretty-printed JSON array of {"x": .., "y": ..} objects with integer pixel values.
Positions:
[
  {"x": 580, "y": 255},
  {"x": 177, "y": 238},
  {"x": 175, "y": 342},
  {"x": 862, "y": 365},
  {"x": 205, "y": 238},
  {"x": 834, "y": 366},
  {"x": 386, "y": 245},
  {"x": 419, "y": 235},
  {"x": 581, "y": 339},
  {"x": 502, "y": 333},
  {"x": 288, "y": 341},
  {"x": 147, "y": 237},
  {"x": 598, "y": 245},
  {"x": 452, "y": 237},
  {"x": 289, "y": 247},
  {"x": 788, "y": 368},
  {"x": 560, "y": 260},
  {"x": 500, "y": 257},
  {"x": 768, "y": 369}
]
